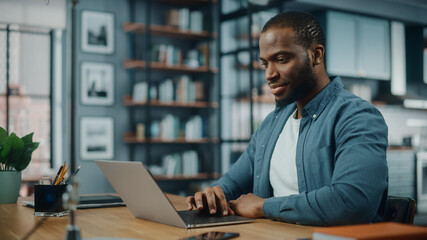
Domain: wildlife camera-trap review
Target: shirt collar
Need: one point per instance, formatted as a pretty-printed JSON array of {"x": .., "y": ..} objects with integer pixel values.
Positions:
[{"x": 316, "y": 106}]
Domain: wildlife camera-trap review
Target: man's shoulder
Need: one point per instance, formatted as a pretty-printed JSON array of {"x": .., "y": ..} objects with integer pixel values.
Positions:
[{"x": 348, "y": 99}]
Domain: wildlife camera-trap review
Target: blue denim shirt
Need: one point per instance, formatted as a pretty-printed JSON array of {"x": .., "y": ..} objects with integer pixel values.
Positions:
[{"x": 340, "y": 159}]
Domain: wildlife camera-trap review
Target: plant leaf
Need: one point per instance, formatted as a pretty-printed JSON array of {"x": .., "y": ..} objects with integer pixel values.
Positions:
[
  {"x": 28, "y": 138},
  {"x": 13, "y": 149},
  {"x": 24, "y": 159},
  {"x": 3, "y": 138}
]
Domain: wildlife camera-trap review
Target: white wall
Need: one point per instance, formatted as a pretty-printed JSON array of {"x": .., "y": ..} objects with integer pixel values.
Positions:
[
  {"x": 34, "y": 13},
  {"x": 398, "y": 121}
]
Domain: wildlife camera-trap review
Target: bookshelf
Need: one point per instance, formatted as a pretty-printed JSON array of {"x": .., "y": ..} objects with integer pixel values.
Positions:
[
  {"x": 130, "y": 137},
  {"x": 173, "y": 102},
  {"x": 167, "y": 31},
  {"x": 127, "y": 101},
  {"x": 140, "y": 64},
  {"x": 247, "y": 100}
]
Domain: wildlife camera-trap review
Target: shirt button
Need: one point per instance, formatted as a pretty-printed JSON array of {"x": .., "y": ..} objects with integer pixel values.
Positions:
[
  {"x": 314, "y": 115},
  {"x": 257, "y": 176},
  {"x": 262, "y": 146}
]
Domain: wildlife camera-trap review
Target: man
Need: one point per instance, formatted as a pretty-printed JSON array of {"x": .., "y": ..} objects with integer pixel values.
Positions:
[{"x": 320, "y": 157}]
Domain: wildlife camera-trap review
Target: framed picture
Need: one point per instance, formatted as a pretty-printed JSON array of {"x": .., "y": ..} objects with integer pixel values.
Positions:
[
  {"x": 96, "y": 138},
  {"x": 97, "y": 32},
  {"x": 97, "y": 83}
]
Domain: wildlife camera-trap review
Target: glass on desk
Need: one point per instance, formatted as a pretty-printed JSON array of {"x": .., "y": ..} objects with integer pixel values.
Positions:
[{"x": 48, "y": 200}]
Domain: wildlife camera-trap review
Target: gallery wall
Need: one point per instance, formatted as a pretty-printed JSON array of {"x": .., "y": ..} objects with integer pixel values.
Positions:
[{"x": 94, "y": 112}]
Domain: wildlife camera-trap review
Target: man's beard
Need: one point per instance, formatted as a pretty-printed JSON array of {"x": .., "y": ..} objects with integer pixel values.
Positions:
[{"x": 307, "y": 82}]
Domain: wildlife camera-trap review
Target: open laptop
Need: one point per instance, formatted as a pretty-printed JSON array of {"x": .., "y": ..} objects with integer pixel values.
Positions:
[{"x": 146, "y": 200}]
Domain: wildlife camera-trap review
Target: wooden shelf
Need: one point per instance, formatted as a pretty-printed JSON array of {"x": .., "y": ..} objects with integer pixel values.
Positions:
[
  {"x": 127, "y": 101},
  {"x": 399, "y": 148},
  {"x": 200, "y": 176},
  {"x": 167, "y": 31},
  {"x": 130, "y": 137},
  {"x": 138, "y": 64}
]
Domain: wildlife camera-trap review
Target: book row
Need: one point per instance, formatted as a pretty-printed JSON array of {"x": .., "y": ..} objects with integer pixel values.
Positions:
[
  {"x": 185, "y": 19},
  {"x": 180, "y": 89},
  {"x": 181, "y": 163},
  {"x": 170, "y": 55},
  {"x": 172, "y": 128}
]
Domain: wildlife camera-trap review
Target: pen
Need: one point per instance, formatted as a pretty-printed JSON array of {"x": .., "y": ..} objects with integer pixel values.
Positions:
[
  {"x": 59, "y": 173},
  {"x": 74, "y": 174},
  {"x": 64, "y": 171}
]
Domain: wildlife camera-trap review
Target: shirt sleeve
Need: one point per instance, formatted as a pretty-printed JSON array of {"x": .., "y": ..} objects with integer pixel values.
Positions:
[
  {"x": 239, "y": 179},
  {"x": 359, "y": 179}
]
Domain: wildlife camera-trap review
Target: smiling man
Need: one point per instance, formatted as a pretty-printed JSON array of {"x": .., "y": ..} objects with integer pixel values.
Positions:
[{"x": 320, "y": 157}]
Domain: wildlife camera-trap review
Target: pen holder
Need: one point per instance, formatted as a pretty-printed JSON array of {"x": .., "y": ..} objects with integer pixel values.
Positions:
[{"x": 48, "y": 200}]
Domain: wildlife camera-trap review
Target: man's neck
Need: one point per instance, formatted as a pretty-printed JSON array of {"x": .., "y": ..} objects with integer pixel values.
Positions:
[{"x": 321, "y": 84}]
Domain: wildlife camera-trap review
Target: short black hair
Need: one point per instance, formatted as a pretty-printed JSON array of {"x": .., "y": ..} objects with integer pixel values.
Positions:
[{"x": 307, "y": 29}]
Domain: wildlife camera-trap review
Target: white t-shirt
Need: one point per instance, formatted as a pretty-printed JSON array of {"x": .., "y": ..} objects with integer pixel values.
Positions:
[{"x": 283, "y": 170}]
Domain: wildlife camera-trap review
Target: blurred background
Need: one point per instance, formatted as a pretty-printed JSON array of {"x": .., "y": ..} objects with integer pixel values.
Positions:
[{"x": 176, "y": 84}]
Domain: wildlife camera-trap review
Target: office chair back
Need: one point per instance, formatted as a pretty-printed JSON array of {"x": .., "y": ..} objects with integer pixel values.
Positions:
[{"x": 399, "y": 209}]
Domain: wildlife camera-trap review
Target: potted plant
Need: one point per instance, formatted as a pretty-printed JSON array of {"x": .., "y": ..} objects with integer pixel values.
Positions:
[{"x": 15, "y": 155}]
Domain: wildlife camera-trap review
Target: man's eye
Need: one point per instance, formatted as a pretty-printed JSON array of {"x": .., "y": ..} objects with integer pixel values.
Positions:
[
  {"x": 263, "y": 64},
  {"x": 282, "y": 60}
]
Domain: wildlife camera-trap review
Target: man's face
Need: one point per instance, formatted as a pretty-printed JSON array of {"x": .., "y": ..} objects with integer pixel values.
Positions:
[{"x": 287, "y": 66}]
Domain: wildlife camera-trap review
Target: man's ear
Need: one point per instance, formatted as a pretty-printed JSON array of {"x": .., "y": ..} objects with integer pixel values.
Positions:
[{"x": 318, "y": 52}]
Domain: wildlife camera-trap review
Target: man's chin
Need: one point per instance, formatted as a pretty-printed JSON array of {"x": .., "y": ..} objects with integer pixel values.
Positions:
[{"x": 282, "y": 102}]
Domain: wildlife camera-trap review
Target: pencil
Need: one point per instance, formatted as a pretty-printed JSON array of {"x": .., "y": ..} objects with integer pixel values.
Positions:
[
  {"x": 64, "y": 171},
  {"x": 59, "y": 173}
]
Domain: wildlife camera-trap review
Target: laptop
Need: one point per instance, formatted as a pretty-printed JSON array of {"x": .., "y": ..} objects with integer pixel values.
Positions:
[{"x": 144, "y": 198}]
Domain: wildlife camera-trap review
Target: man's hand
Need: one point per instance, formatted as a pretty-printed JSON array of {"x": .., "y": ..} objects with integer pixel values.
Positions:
[
  {"x": 211, "y": 198},
  {"x": 248, "y": 205}
]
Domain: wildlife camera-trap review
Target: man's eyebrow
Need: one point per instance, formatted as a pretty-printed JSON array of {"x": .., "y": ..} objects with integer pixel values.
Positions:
[{"x": 283, "y": 52}]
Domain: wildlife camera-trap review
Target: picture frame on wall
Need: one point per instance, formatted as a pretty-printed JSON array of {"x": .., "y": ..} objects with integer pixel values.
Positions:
[
  {"x": 96, "y": 138},
  {"x": 97, "y": 32},
  {"x": 97, "y": 83}
]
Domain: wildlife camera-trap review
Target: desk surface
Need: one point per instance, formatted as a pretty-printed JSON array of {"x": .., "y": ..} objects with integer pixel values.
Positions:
[{"x": 16, "y": 221}]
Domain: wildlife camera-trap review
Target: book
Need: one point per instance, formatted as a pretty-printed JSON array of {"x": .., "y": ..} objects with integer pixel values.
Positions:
[
  {"x": 185, "y": 163},
  {"x": 373, "y": 231},
  {"x": 196, "y": 21},
  {"x": 172, "y": 18},
  {"x": 184, "y": 18},
  {"x": 140, "y": 91}
]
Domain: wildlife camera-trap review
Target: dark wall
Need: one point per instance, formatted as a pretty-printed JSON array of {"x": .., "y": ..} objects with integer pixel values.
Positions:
[
  {"x": 90, "y": 177},
  {"x": 414, "y": 61}
]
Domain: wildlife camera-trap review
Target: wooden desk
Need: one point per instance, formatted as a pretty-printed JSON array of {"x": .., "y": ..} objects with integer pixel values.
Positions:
[{"x": 16, "y": 221}]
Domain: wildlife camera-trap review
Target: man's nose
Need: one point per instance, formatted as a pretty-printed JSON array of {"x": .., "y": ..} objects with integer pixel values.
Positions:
[{"x": 271, "y": 73}]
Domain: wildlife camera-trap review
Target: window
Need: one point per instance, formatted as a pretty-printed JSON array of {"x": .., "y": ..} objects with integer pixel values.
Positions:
[{"x": 25, "y": 90}]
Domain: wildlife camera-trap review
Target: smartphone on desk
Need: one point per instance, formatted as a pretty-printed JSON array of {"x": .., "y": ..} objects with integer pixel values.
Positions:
[{"x": 213, "y": 236}]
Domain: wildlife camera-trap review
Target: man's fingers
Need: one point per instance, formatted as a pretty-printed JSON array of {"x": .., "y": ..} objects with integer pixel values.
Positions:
[
  {"x": 211, "y": 200},
  {"x": 222, "y": 202},
  {"x": 190, "y": 202},
  {"x": 230, "y": 211},
  {"x": 232, "y": 206},
  {"x": 198, "y": 200}
]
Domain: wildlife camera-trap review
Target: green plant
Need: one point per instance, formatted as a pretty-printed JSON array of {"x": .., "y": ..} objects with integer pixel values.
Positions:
[{"x": 15, "y": 152}]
